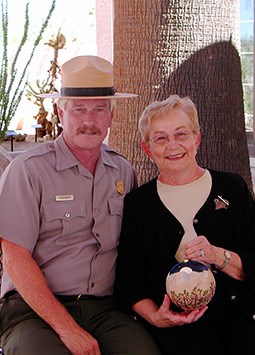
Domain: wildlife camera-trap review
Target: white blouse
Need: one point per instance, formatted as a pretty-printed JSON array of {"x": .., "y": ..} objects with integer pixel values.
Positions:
[{"x": 184, "y": 201}]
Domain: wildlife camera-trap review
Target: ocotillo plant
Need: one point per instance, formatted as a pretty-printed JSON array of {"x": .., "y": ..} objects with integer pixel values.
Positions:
[{"x": 12, "y": 81}]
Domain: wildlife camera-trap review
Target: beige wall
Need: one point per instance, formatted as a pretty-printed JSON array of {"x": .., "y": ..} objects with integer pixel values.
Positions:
[{"x": 104, "y": 29}]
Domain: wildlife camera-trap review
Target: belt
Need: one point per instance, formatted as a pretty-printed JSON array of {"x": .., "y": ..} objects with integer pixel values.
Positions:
[
  {"x": 72, "y": 298},
  {"x": 62, "y": 298},
  {"x": 11, "y": 295}
]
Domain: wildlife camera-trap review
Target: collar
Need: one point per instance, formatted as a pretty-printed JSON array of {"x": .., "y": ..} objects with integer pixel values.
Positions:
[{"x": 66, "y": 160}]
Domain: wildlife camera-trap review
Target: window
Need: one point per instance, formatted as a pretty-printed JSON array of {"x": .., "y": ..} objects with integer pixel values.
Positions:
[
  {"x": 246, "y": 41},
  {"x": 247, "y": 64}
]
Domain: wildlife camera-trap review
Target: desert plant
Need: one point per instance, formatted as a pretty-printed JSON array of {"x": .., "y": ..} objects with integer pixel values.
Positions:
[{"x": 12, "y": 81}]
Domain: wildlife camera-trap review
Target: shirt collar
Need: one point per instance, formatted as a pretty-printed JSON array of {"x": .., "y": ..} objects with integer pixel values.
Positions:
[{"x": 65, "y": 159}]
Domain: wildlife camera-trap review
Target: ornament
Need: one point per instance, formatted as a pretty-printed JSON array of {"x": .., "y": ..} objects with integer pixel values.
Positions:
[{"x": 190, "y": 284}]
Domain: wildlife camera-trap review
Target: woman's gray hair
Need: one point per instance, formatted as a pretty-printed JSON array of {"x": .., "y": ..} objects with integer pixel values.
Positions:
[{"x": 159, "y": 109}]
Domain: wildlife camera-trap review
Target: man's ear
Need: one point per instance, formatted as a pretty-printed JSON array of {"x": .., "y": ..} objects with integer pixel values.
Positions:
[
  {"x": 112, "y": 114},
  {"x": 146, "y": 149},
  {"x": 60, "y": 114}
]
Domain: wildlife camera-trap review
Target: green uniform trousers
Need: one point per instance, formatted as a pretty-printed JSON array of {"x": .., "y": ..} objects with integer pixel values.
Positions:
[{"x": 25, "y": 333}]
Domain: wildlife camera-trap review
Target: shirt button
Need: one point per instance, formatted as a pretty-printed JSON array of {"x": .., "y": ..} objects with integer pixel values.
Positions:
[
  {"x": 92, "y": 285},
  {"x": 67, "y": 215},
  {"x": 195, "y": 221},
  {"x": 97, "y": 235},
  {"x": 95, "y": 209},
  {"x": 233, "y": 298}
]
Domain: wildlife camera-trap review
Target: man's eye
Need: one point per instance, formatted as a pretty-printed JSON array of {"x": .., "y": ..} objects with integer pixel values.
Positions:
[{"x": 100, "y": 109}]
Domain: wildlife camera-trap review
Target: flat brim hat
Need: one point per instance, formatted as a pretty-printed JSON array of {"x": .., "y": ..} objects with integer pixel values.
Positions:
[{"x": 87, "y": 77}]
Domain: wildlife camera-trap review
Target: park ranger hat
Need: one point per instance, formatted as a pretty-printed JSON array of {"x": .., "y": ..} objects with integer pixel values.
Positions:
[{"x": 87, "y": 77}]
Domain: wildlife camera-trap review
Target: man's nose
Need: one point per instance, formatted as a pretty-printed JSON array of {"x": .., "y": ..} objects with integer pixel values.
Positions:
[{"x": 88, "y": 116}]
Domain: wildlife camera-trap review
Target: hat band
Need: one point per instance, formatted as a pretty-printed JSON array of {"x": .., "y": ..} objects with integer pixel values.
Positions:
[{"x": 107, "y": 91}]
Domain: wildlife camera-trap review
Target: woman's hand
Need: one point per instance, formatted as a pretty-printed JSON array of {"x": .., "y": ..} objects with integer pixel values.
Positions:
[
  {"x": 164, "y": 317},
  {"x": 201, "y": 250}
]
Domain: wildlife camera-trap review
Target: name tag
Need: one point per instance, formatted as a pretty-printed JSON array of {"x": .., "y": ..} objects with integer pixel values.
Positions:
[{"x": 64, "y": 197}]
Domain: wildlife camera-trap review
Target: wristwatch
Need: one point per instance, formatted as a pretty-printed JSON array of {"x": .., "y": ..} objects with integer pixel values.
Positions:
[{"x": 228, "y": 256}]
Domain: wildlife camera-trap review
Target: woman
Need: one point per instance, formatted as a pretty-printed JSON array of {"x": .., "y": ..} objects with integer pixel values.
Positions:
[{"x": 188, "y": 212}]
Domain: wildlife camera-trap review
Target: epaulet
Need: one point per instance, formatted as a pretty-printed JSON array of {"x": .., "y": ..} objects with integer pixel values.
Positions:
[{"x": 110, "y": 150}]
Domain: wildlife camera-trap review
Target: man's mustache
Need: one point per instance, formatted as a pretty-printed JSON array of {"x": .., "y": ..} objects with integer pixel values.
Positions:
[{"x": 90, "y": 130}]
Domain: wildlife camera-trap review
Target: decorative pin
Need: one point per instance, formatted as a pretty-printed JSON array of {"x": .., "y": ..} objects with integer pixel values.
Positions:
[
  {"x": 64, "y": 197},
  {"x": 220, "y": 202},
  {"x": 120, "y": 187}
]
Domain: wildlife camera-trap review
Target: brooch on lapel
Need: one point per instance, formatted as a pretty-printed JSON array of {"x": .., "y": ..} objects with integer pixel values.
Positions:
[{"x": 220, "y": 202}]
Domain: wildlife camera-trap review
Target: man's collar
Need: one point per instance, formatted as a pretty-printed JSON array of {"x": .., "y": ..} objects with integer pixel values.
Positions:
[{"x": 65, "y": 158}]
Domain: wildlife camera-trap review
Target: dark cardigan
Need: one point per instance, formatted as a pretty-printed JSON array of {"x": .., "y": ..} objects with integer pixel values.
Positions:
[{"x": 151, "y": 234}]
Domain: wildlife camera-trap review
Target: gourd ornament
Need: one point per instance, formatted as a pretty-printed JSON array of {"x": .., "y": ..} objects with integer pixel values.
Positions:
[{"x": 190, "y": 284}]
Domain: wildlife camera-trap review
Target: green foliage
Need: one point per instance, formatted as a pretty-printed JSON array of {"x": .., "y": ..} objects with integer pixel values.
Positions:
[{"x": 12, "y": 81}]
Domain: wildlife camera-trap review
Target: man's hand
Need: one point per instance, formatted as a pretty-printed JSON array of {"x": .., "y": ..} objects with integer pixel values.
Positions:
[
  {"x": 33, "y": 287},
  {"x": 80, "y": 342}
]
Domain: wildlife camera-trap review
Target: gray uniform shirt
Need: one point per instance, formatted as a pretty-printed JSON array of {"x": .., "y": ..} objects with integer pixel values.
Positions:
[{"x": 67, "y": 218}]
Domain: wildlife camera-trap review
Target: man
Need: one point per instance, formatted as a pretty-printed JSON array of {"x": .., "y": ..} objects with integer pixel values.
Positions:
[{"x": 60, "y": 217}]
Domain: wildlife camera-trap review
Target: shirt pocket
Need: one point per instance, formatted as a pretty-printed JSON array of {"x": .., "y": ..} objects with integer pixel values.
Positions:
[
  {"x": 67, "y": 220},
  {"x": 115, "y": 206}
]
